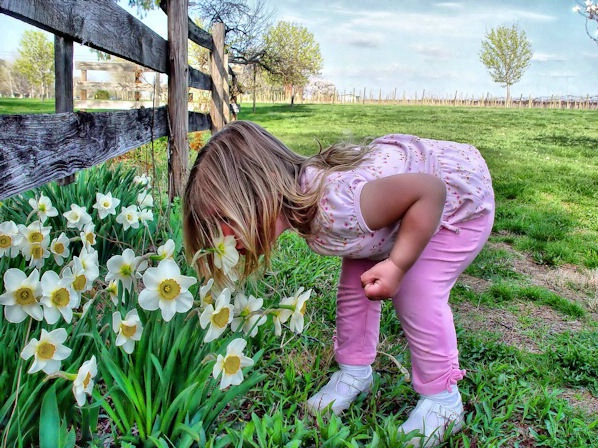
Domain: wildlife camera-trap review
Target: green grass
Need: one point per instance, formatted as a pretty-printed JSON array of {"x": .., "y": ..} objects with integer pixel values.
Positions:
[
  {"x": 544, "y": 162},
  {"x": 25, "y": 106},
  {"x": 545, "y": 170}
]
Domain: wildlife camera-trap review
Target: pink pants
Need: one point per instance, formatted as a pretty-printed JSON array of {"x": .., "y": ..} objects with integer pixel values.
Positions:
[{"x": 421, "y": 305}]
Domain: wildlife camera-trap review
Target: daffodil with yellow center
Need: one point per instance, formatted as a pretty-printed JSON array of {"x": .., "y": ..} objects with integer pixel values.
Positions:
[
  {"x": 205, "y": 294},
  {"x": 58, "y": 297},
  {"x": 169, "y": 289},
  {"x": 128, "y": 217},
  {"x": 226, "y": 256},
  {"x": 5, "y": 241},
  {"x": 88, "y": 235},
  {"x": 22, "y": 295},
  {"x": 59, "y": 248},
  {"x": 79, "y": 283},
  {"x": 297, "y": 304},
  {"x": 35, "y": 242},
  {"x": 10, "y": 239},
  {"x": 230, "y": 365},
  {"x": 216, "y": 317},
  {"x": 166, "y": 289},
  {"x": 48, "y": 351},
  {"x": 43, "y": 207},
  {"x": 106, "y": 204},
  {"x": 247, "y": 314},
  {"x": 125, "y": 268},
  {"x": 128, "y": 330},
  {"x": 84, "y": 382}
]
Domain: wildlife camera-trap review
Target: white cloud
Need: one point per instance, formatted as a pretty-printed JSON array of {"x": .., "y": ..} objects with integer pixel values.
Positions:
[{"x": 548, "y": 57}]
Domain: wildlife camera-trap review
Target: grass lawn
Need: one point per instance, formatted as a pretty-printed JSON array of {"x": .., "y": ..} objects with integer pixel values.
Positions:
[{"x": 526, "y": 310}]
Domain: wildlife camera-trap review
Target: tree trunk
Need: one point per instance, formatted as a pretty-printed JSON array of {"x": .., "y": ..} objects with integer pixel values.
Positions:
[
  {"x": 254, "y": 86},
  {"x": 292, "y": 95},
  {"x": 508, "y": 100}
]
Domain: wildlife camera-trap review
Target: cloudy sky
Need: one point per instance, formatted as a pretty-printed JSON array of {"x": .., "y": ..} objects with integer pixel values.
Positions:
[{"x": 413, "y": 46}]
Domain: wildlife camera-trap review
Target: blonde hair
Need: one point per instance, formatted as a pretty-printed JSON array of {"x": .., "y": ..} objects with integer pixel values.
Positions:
[{"x": 247, "y": 178}]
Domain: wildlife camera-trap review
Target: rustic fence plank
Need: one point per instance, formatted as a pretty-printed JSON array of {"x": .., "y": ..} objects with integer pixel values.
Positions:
[
  {"x": 178, "y": 97},
  {"x": 63, "y": 82},
  {"x": 196, "y": 34},
  {"x": 199, "y": 80},
  {"x": 36, "y": 149},
  {"x": 200, "y": 36},
  {"x": 110, "y": 66},
  {"x": 219, "y": 103},
  {"x": 99, "y": 24}
]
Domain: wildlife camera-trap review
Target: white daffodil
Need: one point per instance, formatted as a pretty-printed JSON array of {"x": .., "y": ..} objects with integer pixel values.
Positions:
[
  {"x": 125, "y": 268},
  {"x": 143, "y": 180},
  {"x": 48, "y": 351},
  {"x": 106, "y": 204},
  {"x": 83, "y": 383},
  {"x": 128, "y": 217},
  {"x": 22, "y": 295},
  {"x": 77, "y": 279},
  {"x": 77, "y": 217},
  {"x": 112, "y": 290},
  {"x": 226, "y": 256},
  {"x": 145, "y": 200},
  {"x": 206, "y": 296},
  {"x": 128, "y": 330},
  {"x": 247, "y": 315},
  {"x": 43, "y": 207},
  {"x": 217, "y": 316},
  {"x": 167, "y": 289},
  {"x": 87, "y": 262},
  {"x": 58, "y": 297},
  {"x": 279, "y": 317},
  {"x": 166, "y": 250},
  {"x": 146, "y": 215},
  {"x": 298, "y": 304},
  {"x": 230, "y": 365},
  {"x": 88, "y": 235},
  {"x": 35, "y": 242},
  {"x": 10, "y": 239},
  {"x": 59, "y": 248}
]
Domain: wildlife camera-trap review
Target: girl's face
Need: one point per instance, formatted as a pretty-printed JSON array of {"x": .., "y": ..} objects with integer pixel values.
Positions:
[
  {"x": 281, "y": 226},
  {"x": 227, "y": 231}
]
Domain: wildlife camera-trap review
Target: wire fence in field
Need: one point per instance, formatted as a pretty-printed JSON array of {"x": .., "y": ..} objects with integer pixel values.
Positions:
[{"x": 364, "y": 96}]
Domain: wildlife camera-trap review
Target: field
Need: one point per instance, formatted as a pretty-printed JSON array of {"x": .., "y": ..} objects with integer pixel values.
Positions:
[{"x": 526, "y": 310}]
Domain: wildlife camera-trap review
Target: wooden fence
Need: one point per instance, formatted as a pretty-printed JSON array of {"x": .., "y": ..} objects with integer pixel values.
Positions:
[
  {"x": 376, "y": 96},
  {"x": 135, "y": 87},
  {"x": 36, "y": 149}
]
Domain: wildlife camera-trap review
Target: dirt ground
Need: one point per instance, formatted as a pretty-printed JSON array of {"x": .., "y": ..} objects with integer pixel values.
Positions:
[{"x": 522, "y": 324}]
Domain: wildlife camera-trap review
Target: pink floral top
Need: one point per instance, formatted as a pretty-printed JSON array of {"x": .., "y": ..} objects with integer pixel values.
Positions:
[{"x": 339, "y": 228}]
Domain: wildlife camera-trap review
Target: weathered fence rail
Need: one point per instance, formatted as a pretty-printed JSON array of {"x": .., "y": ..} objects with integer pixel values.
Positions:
[{"x": 36, "y": 149}]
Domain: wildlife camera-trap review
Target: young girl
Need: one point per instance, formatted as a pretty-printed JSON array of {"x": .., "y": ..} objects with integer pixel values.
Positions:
[{"x": 406, "y": 214}]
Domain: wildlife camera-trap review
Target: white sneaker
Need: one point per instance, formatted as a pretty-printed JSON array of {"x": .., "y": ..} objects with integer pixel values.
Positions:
[
  {"x": 432, "y": 421},
  {"x": 342, "y": 389}
]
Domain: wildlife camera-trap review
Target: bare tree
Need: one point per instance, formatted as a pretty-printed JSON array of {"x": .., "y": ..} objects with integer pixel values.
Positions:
[
  {"x": 244, "y": 27},
  {"x": 589, "y": 10}
]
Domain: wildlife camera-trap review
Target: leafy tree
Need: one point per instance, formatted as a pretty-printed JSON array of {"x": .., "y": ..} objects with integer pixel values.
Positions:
[
  {"x": 589, "y": 10},
  {"x": 292, "y": 55},
  {"x": 6, "y": 85},
  {"x": 36, "y": 60},
  {"x": 507, "y": 53}
]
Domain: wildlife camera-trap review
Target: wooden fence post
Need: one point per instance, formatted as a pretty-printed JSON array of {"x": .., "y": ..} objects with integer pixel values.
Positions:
[
  {"x": 219, "y": 105},
  {"x": 63, "y": 83},
  {"x": 178, "y": 116}
]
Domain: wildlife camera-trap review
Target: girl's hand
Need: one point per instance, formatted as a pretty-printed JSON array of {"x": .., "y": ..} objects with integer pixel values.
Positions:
[{"x": 382, "y": 280}]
